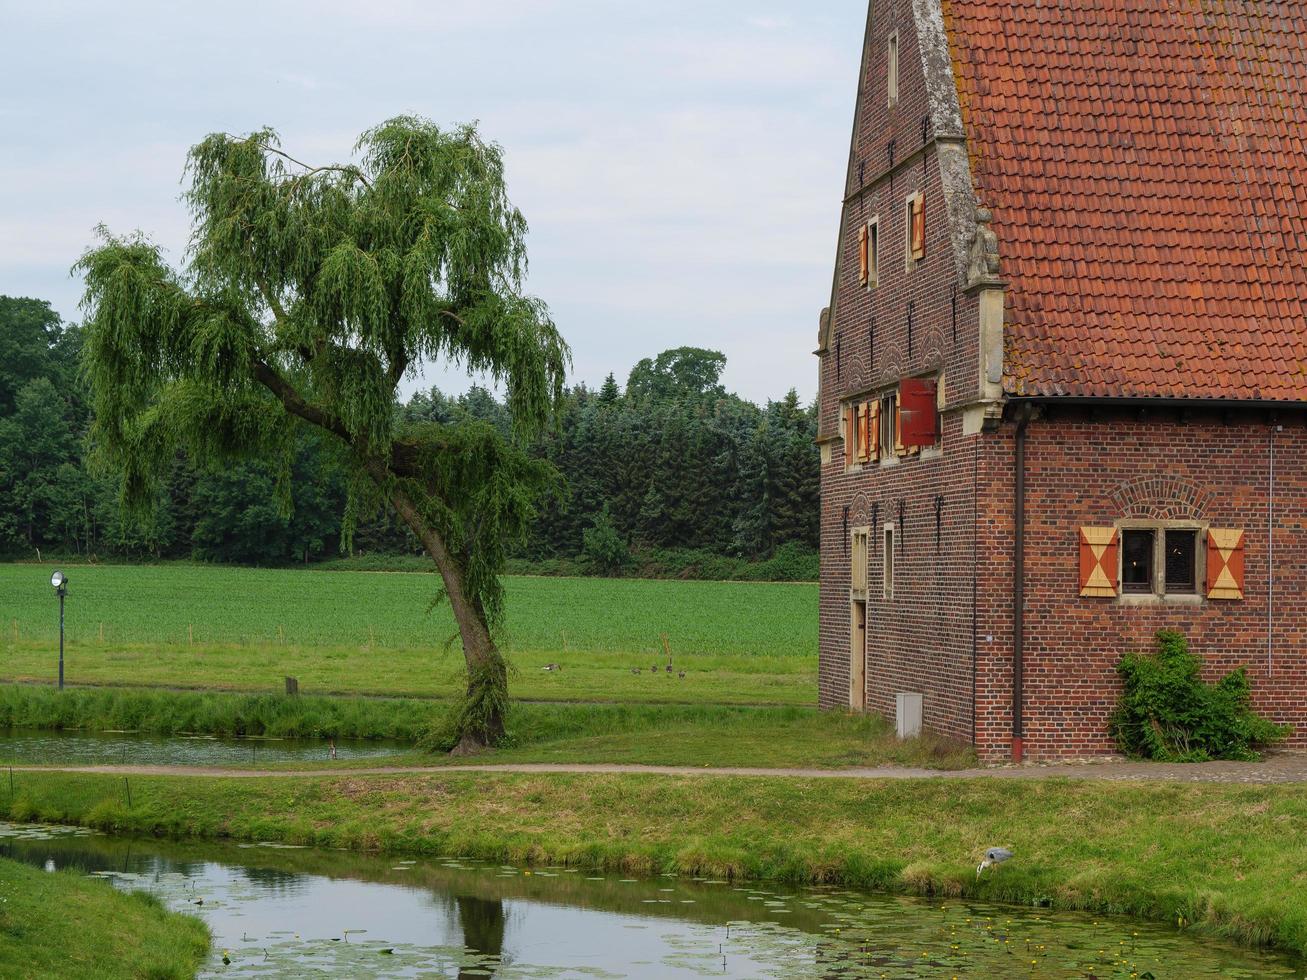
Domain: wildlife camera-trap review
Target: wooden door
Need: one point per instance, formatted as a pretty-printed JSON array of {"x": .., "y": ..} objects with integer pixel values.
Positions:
[{"x": 858, "y": 658}]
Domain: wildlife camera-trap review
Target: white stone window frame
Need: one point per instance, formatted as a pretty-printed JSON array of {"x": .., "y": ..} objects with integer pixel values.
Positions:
[{"x": 1157, "y": 594}]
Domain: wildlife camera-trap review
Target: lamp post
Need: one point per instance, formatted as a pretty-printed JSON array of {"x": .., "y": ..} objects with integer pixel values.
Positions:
[{"x": 60, "y": 582}]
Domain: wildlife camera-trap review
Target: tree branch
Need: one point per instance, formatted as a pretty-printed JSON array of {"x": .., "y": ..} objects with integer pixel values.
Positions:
[
  {"x": 309, "y": 171},
  {"x": 296, "y": 405}
]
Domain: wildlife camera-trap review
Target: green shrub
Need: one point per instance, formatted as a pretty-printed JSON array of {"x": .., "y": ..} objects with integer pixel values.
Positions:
[
  {"x": 603, "y": 547},
  {"x": 1168, "y": 713}
]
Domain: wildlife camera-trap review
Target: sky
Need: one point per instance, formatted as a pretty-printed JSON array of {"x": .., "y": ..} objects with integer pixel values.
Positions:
[{"x": 679, "y": 161}]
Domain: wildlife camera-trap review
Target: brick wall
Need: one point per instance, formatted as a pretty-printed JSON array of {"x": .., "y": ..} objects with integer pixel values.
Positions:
[
  {"x": 914, "y": 322},
  {"x": 1093, "y": 471}
]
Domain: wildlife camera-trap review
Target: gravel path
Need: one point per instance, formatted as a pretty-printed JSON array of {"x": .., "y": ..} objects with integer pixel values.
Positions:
[{"x": 1283, "y": 767}]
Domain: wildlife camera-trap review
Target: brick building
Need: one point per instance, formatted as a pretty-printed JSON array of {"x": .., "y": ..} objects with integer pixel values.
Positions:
[{"x": 1063, "y": 373}]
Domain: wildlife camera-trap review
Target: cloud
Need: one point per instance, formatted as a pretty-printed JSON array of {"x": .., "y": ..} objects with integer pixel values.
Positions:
[{"x": 680, "y": 162}]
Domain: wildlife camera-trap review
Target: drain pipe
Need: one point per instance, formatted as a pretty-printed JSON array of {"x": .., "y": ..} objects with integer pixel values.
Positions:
[{"x": 1019, "y": 596}]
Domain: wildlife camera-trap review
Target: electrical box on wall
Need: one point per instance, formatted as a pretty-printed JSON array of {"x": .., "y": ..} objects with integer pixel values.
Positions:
[{"x": 908, "y": 713}]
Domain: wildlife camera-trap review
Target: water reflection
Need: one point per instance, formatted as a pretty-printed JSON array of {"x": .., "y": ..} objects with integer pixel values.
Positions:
[
  {"x": 284, "y": 911},
  {"x": 46, "y": 748},
  {"x": 482, "y": 921}
]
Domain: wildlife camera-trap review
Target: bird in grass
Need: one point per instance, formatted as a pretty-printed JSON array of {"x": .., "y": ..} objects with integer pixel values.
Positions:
[
  {"x": 635, "y": 670},
  {"x": 993, "y": 858},
  {"x": 226, "y": 957},
  {"x": 682, "y": 675},
  {"x": 552, "y": 667}
]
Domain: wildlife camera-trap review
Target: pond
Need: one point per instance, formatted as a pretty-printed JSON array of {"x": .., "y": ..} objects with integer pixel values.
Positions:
[
  {"x": 278, "y": 911},
  {"x": 49, "y": 748}
]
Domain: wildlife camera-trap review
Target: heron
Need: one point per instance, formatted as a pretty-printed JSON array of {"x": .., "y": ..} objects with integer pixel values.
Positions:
[{"x": 993, "y": 858}]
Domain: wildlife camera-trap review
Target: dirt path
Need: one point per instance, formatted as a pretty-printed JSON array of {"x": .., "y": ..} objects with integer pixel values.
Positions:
[{"x": 1286, "y": 767}]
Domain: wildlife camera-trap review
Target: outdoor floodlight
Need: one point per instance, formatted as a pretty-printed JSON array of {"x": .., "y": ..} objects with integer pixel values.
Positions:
[{"x": 60, "y": 582}]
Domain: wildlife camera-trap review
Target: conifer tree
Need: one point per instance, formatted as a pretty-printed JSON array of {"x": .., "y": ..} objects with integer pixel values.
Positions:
[{"x": 309, "y": 294}]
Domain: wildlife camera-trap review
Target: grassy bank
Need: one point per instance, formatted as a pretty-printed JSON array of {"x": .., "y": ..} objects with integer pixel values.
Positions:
[
  {"x": 66, "y": 925},
  {"x": 1229, "y": 860},
  {"x": 633, "y": 733}
]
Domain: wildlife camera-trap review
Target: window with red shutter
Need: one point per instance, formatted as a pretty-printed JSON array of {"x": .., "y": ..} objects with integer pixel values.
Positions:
[{"x": 918, "y": 413}]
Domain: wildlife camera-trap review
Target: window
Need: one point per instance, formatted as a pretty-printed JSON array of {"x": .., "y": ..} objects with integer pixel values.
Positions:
[
  {"x": 892, "y": 66},
  {"x": 1137, "y": 561},
  {"x": 889, "y": 425},
  {"x": 914, "y": 225},
  {"x": 887, "y": 586},
  {"x": 859, "y": 572},
  {"x": 862, "y": 428},
  {"x": 1181, "y": 561},
  {"x": 869, "y": 254},
  {"x": 1162, "y": 560}
]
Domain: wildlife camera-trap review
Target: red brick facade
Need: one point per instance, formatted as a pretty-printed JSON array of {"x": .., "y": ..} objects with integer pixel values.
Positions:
[{"x": 947, "y": 630}]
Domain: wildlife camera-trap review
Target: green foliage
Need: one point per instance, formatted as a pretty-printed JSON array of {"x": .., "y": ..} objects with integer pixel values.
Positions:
[
  {"x": 310, "y": 293},
  {"x": 603, "y": 547},
  {"x": 1168, "y": 713}
]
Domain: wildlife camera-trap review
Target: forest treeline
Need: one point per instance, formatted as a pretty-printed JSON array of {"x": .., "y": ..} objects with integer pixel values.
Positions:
[{"x": 669, "y": 475}]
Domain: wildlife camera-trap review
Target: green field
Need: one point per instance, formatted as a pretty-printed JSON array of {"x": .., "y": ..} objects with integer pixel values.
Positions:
[{"x": 221, "y": 628}]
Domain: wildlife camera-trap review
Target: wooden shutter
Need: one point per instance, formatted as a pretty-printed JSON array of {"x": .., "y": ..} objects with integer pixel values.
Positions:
[
  {"x": 1225, "y": 564},
  {"x": 864, "y": 263},
  {"x": 850, "y": 425},
  {"x": 919, "y": 227},
  {"x": 873, "y": 429},
  {"x": 1100, "y": 564},
  {"x": 864, "y": 433},
  {"x": 918, "y": 415}
]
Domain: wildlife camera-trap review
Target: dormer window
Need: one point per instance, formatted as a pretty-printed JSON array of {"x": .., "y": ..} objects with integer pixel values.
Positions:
[{"x": 892, "y": 63}]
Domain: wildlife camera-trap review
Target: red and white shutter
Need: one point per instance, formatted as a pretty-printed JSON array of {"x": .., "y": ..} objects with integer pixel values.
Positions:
[
  {"x": 918, "y": 414},
  {"x": 1225, "y": 564},
  {"x": 919, "y": 227},
  {"x": 1099, "y": 562}
]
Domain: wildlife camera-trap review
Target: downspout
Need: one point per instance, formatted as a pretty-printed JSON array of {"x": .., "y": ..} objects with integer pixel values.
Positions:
[
  {"x": 975, "y": 576},
  {"x": 1270, "y": 559},
  {"x": 1019, "y": 596}
]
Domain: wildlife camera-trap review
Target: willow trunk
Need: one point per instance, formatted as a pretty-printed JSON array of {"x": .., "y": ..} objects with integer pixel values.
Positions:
[{"x": 482, "y": 721}]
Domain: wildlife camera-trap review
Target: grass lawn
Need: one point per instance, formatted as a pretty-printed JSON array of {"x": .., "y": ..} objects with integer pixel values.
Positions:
[
  {"x": 1224, "y": 859},
  {"x": 209, "y": 627},
  {"x": 67, "y": 925}
]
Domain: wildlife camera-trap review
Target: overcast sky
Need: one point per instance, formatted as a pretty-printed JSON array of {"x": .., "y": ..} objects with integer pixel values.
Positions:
[{"x": 679, "y": 161}]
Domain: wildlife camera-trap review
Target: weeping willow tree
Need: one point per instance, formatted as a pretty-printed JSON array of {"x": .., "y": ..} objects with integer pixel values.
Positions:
[{"x": 307, "y": 295}]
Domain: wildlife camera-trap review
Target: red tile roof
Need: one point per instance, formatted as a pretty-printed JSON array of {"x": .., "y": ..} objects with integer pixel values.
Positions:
[{"x": 1146, "y": 162}]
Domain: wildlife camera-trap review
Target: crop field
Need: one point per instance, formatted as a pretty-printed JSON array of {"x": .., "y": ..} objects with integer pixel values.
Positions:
[{"x": 241, "y": 629}]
